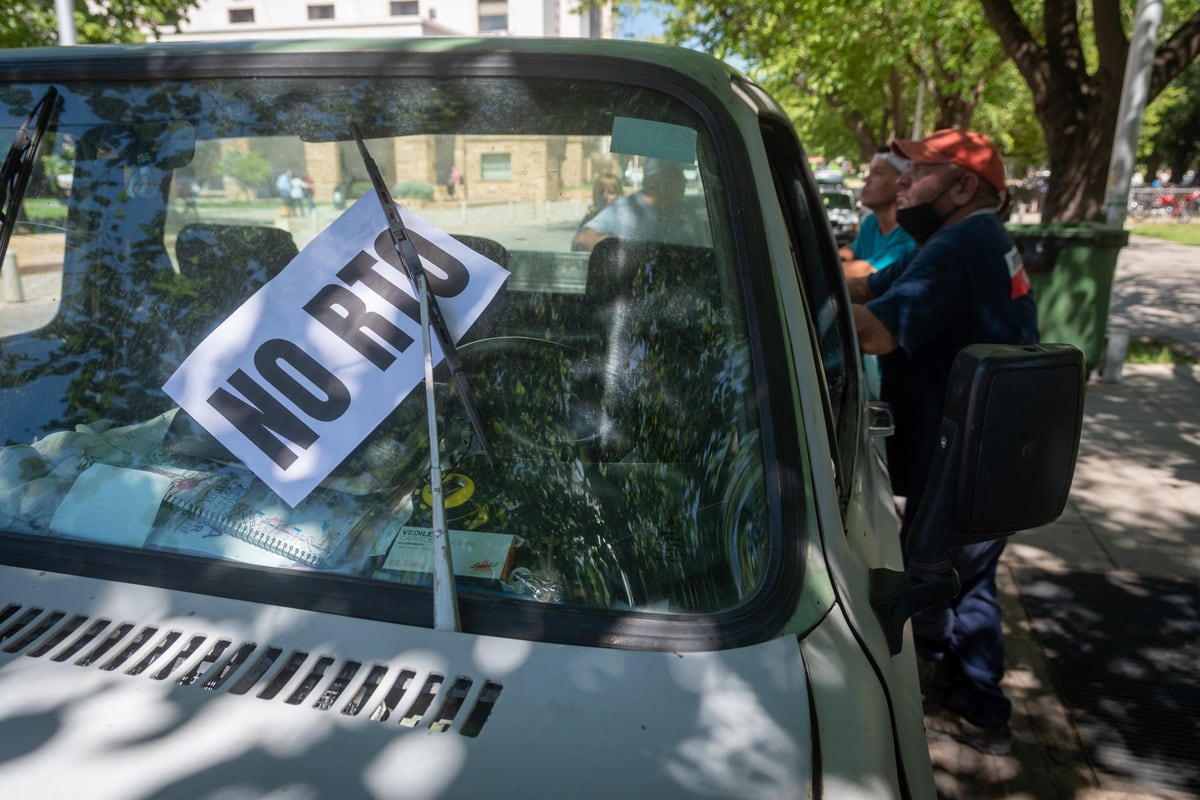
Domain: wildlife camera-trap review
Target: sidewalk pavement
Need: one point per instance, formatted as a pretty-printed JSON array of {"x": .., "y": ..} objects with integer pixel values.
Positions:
[{"x": 1132, "y": 521}]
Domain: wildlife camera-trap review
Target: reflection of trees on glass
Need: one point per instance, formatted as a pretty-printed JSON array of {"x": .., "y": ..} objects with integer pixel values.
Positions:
[
  {"x": 631, "y": 487},
  {"x": 115, "y": 322},
  {"x": 531, "y": 395},
  {"x": 109, "y": 334},
  {"x": 679, "y": 382}
]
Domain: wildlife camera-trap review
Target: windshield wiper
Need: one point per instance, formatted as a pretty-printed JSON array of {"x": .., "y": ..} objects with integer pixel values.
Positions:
[
  {"x": 445, "y": 598},
  {"x": 411, "y": 263},
  {"x": 18, "y": 164}
]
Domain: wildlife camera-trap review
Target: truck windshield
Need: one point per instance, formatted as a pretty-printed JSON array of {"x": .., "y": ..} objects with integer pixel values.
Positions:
[{"x": 211, "y": 351}]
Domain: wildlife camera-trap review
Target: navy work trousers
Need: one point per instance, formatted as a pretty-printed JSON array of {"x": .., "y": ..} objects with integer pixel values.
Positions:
[{"x": 966, "y": 635}]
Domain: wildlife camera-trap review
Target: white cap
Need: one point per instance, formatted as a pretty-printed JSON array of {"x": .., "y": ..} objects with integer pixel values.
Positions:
[{"x": 901, "y": 164}]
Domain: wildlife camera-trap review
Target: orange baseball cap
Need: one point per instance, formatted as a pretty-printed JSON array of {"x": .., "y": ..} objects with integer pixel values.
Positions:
[{"x": 968, "y": 149}]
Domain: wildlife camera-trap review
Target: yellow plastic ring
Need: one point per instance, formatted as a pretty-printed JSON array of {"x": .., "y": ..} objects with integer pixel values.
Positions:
[{"x": 456, "y": 490}]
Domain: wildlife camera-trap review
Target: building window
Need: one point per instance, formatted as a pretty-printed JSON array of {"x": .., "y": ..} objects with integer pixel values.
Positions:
[
  {"x": 405, "y": 8},
  {"x": 493, "y": 15},
  {"x": 320, "y": 12},
  {"x": 496, "y": 167},
  {"x": 241, "y": 15}
]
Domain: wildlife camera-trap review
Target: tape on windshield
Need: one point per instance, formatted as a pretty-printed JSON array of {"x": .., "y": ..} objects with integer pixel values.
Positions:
[{"x": 644, "y": 137}]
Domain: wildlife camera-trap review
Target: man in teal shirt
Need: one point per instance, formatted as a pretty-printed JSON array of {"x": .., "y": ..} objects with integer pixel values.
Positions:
[{"x": 880, "y": 241}]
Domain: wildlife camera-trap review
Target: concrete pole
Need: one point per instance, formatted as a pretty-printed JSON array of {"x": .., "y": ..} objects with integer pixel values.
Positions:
[
  {"x": 65, "y": 9},
  {"x": 919, "y": 115},
  {"x": 10, "y": 280},
  {"x": 1134, "y": 96}
]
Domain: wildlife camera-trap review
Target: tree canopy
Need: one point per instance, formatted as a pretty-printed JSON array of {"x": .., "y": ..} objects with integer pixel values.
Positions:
[
  {"x": 1073, "y": 61},
  {"x": 850, "y": 73},
  {"x": 33, "y": 23},
  {"x": 1171, "y": 130},
  {"x": 825, "y": 61}
]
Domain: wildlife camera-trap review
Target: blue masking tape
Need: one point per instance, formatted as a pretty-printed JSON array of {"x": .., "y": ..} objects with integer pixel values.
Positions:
[{"x": 643, "y": 137}]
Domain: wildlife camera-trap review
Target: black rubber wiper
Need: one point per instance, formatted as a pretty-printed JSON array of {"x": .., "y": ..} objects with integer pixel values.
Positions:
[
  {"x": 411, "y": 262},
  {"x": 445, "y": 593},
  {"x": 18, "y": 164}
]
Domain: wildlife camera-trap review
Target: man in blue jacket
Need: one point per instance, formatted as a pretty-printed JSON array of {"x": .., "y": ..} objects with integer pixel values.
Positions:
[{"x": 965, "y": 284}]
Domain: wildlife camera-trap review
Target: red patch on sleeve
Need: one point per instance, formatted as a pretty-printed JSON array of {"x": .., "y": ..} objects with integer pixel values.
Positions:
[{"x": 1020, "y": 284}]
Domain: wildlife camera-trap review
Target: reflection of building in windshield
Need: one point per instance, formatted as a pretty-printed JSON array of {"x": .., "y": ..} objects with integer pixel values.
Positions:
[
  {"x": 527, "y": 169},
  {"x": 495, "y": 168}
]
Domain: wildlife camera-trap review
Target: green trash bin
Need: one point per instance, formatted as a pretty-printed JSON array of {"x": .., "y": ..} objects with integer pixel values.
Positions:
[{"x": 1071, "y": 267}]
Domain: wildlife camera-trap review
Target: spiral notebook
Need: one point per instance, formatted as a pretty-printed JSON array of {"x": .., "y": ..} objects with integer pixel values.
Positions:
[{"x": 235, "y": 502}]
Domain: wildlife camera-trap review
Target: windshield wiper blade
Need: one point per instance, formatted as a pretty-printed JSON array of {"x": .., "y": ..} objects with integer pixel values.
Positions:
[
  {"x": 445, "y": 594},
  {"x": 411, "y": 263},
  {"x": 18, "y": 164}
]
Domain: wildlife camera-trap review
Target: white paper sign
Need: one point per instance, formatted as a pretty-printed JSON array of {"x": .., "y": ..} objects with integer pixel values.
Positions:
[{"x": 307, "y": 367}]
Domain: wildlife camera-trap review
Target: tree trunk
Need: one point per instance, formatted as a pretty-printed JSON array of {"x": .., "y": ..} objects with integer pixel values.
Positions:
[
  {"x": 1079, "y": 139},
  {"x": 954, "y": 112},
  {"x": 1078, "y": 111}
]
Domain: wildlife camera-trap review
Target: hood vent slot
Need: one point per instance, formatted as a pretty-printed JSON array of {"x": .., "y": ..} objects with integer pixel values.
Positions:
[
  {"x": 35, "y": 632},
  {"x": 392, "y": 699},
  {"x": 360, "y": 698},
  {"x": 84, "y": 639},
  {"x": 247, "y": 681},
  {"x": 320, "y": 681},
  {"x": 60, "y": 635},
  {"x": 163, "y": 644},
  {"x": 205, "y": 663},
  {"x": 229, "y": 667},
  {"x": 135, "y": 644}
]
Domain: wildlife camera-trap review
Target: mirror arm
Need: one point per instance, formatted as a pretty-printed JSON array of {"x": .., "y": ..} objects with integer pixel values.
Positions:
[{"x": 929, "y": 578}]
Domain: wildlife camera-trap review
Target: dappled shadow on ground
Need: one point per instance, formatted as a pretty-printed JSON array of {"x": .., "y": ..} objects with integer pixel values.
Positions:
[
  {"x": 1047, "y": 760},
  {"x": 1125, "y": 655},
  {"x": 1137, "y": 481},
  {"x": 1155, "y": 292},
  {"x": 1100, "y": 614},
  {"x": 1060, "y": 750}
]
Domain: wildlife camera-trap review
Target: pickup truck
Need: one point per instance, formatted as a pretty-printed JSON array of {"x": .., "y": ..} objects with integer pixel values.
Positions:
[{"x": 371, "y": 488}]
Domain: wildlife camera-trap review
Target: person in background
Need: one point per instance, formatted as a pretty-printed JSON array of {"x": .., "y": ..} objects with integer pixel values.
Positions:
[
  {"x": 965, "y": 284},
  {"x": 881, "y": 242},
  {"x": 297, "y": 195},
  {"x": 606, "y": 189},
  {"x": 656, "y": 213},
  {"x": 283, "y": 186},
  {"x": 310, "y": 192}
]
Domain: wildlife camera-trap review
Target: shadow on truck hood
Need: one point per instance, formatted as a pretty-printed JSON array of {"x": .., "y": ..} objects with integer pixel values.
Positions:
[{"x": 152, "y": 692}]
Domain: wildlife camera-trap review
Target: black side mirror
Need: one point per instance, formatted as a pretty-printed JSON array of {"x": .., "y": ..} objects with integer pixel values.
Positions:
[{"x": 1005, "y": 460}]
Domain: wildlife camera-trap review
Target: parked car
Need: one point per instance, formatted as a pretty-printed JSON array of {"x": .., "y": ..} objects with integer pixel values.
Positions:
[
  {"x": 830, "y": 177},
  {"x": 259, "y": 538},
  {"x": 841, "y": 208}
]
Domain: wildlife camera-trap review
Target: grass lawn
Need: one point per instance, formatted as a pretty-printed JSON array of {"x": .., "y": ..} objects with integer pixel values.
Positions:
[
  {"x": 45, "y": 209},
  {"x": 1177, "y": 232},
  {"x": 1157, "y": 351}
]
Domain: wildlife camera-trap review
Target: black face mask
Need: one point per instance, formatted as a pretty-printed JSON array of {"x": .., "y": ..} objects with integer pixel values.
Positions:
[{"x": 921, "y": 221}]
